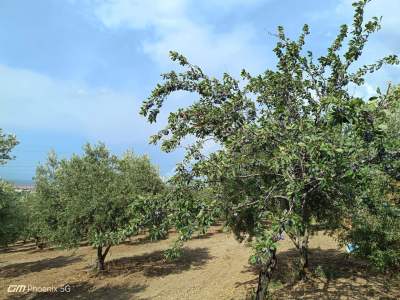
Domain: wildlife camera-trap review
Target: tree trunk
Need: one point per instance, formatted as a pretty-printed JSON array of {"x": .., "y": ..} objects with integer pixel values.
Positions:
[
  {"x": 39, "y": 244},
  {"x": 100, "y": 266},
  {"x": 303, "y": 251},
  {"x": 264, "y": 277},
  {"x": 100, "y": 259}
]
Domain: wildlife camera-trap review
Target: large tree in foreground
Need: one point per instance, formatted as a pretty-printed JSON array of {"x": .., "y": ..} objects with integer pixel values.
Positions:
[
  {"x": 292, "y": 139},
  {"x": 94, "y": 198}
]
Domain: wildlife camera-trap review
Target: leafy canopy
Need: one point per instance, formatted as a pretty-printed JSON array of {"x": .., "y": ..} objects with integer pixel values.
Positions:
[
  {"x": 95, "y": 196},
  {"x": 292, "y": 140},
  {"x": 9, "y": 213},
  {"x": 7, "y": 143},
  {"x": 375, "y": 223}
]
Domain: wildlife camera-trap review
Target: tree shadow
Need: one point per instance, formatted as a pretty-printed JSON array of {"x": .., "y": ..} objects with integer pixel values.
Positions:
[
  {"x": 204, "y": 236},
  {"x": 18, "y": 269},
  {"x": 144, "y": 239},
  {"x": 154, "y": 264},
  {"x": 18, "y": 247},
  {"x": 29, "y": 247},
  {"x": 332, "y": 275},
  {"x": 43, "y": 250},
  {"x": 83, "y": 290}
]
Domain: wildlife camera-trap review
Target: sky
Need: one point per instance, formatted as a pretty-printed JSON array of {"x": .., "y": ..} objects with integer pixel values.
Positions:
[{"x": 77, "y": 71}]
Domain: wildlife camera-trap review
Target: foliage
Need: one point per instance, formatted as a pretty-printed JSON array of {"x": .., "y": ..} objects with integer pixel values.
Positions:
[
  {"x": 375, "y": 224},
  {"x": 191, "y": 209},
  {"x": 292, "y": 140},
  {"x": 377, "y": 235},
  {"x": 9, "y": 212},
  {"x": 33, "y": 219},
  {"x": 7, "y": 143},
  {"x": 43, "y": 206},
  {"x": 141, "y": 178},
  {"x": 97, "y": 197}
]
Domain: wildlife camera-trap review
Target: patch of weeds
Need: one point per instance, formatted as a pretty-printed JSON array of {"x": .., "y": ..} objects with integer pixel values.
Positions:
[
  {"x": 275, "y": 285},
  {"x": 325, "y": 273},
  {"x": 320, "y": 272},
  {"x": 250, "y": 294},
  {"x": 293, "y": 270},
  {"x": 370, "y": 293}
]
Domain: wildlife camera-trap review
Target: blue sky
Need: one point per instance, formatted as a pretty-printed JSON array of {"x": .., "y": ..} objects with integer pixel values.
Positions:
[{"x": 77, "y": 70}]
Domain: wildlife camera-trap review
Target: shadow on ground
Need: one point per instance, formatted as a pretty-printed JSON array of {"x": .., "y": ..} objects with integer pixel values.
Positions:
[
  {"x": 150, "y": 264},
  {"x": 84, "y": 290},
  {"x": 332, "y": 275},
  {"x": 206, "y": 235},
  {"x": 18, "y": 269},
  {"x": 144, "y": 238},
  {"x": 154, "y": 264},
  {"x": 18, "y": 247}
]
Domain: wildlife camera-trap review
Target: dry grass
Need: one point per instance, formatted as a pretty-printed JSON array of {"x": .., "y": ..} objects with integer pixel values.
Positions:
[{"x": 212, "y": 267}]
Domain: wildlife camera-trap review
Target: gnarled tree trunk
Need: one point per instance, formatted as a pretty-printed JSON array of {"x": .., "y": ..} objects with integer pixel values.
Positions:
[{"x": 264, "y": 276}]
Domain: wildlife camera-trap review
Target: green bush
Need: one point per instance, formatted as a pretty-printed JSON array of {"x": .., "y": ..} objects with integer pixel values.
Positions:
[{"x": 376, "y": 235}]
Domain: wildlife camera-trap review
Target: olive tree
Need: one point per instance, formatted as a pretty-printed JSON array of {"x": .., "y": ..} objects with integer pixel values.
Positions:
[
  {"x": 291, "y": 139},
  {"x": 141, "y": 178},
  {"x": 94, "y": 198},
  {"x": 35, "y": 218},
  {"x": 9, "y": 213}
]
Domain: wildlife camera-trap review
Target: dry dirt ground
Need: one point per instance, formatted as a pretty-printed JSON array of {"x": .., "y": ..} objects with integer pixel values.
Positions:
[{"x": 214, "y": 266}]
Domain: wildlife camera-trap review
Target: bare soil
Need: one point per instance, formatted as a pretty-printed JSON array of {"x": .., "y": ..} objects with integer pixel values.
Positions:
[{"x": 214, "y": 266}]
